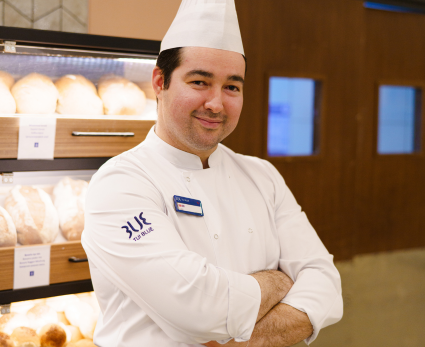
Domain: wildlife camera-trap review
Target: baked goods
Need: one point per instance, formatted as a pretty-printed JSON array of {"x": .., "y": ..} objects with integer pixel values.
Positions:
[
  {"x": 6, "y": 79},
  {"x": 35, "y": 94},
  {"x": 11, "y": 321},
  {"x": 78, "y": 96},
  {"x": 74, "y": 334},
  {"x": 59, "y": 303},
  {"x": 8, "y": 236},
  {"x": 120, "y": 96},
  {"x": 40, "y": 315},
  {"x": 62, "y": 318},
  {"x": 85, "y": 343},
  {"x": 33, "y": 213},
  {"x": 82, "y": 315},
  {"x": 25, "y": 337},
  {"x": 5, "y": 340},
  {"x": 69, "y": 200},
  {"x": 52, "y": 335},
  {"x": 7, "y": 104}
]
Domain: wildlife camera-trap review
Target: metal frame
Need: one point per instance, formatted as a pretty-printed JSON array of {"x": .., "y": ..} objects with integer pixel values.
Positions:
[
  {"x": 15, "y": 165},
  {"x": 9, "y": 296}
]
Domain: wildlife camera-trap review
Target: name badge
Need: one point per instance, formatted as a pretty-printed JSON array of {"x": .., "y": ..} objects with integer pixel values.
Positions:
[{"x": 189, "y": 206}]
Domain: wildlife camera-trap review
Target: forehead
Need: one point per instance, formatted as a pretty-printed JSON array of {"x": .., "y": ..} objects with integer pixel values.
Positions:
[{"x": 217, "y": 61}]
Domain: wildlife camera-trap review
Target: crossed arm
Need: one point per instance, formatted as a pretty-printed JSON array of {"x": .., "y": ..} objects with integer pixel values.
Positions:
[{"x": 277, "y": 324}]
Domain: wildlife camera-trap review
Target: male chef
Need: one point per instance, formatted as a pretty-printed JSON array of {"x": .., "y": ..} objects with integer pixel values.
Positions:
[{"x": 189, "y": 243}]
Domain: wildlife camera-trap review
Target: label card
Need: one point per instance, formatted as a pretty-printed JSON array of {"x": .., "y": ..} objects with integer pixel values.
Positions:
[
  {"x": 36, "y": 137},
  {"x": 189, "y": 206},
  {"x": 32, "y": 267}
]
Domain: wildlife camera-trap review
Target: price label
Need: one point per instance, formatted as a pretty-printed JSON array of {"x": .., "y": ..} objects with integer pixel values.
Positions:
[
  {"x": 32, "y": 267},
  {"x": 36, "y": 137}
]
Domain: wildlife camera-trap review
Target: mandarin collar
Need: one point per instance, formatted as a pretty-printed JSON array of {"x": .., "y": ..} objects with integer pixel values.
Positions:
[{"x": 177, "y": 157}]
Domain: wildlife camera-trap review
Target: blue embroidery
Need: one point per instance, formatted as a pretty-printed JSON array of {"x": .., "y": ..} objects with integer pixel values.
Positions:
[{"x": 127, "y": 229}]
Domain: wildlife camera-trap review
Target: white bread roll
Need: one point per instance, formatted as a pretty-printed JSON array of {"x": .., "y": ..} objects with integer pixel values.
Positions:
[
  {"x": 7, "y": 102},
  {"x": 52, "y": 335},
  {"x": 23, "y": 306},
  {"x": 120, "y": 96},
  {"x": 75, "y": 334},
  {"x": 11, "y": 321},
  {"x": 40, "y": 315},
  {"x": 59, "y": 303},
  {"x": 82, "y": 315},
  {"x": 69, "y": 199},
  {"x": 8, "y": 236},
  {"x": 35, "y": 94},
  {"x": 6, "y": 79},
  {"x": 5, "y": 340},
  {"x": 78, "y": 96},
  {"x": 33, "y": 213},
  {"x": 25, "y": 337}
]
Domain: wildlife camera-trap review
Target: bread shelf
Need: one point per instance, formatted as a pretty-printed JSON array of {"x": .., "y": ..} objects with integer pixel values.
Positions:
[
  {"x": 69, "y": 146},
  {"x": 61, "y": 269}
]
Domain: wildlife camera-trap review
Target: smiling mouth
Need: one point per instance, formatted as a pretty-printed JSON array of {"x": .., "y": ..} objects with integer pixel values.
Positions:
[{"x": 209, "y": 123}]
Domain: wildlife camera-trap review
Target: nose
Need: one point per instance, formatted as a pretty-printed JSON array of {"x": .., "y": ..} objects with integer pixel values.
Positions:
[{"x": 214, "y": 101}]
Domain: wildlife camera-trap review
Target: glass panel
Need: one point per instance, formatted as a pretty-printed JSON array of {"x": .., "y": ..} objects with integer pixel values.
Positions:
[
  {"x": 132, "y": 68},
  {"x": 398, "y": 118},
  {"x": 291, "y": 119}
]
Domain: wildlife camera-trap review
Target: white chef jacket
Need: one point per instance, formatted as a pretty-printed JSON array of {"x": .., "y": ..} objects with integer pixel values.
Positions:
[{"x": 166, "y": 278}]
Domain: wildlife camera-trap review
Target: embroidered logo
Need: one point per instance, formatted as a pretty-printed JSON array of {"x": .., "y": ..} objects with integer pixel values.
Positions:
[{"x": 141, "y": 221}]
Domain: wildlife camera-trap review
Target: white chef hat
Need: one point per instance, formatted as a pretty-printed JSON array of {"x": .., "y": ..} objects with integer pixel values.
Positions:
[{"x": 205, "y": 23}]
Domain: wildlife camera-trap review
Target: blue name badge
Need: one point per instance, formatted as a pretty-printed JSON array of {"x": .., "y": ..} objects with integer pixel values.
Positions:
[{"x": 189, "y": 206}]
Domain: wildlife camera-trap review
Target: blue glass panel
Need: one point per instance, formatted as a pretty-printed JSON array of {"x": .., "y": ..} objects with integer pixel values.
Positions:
[
  {"x": 396, "y": 130},
  {"x": 291, "y": 116},
  {"x": 394, "y": 8}
]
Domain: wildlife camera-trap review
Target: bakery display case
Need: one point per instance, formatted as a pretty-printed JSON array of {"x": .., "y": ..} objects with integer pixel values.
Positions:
[
  {"x": 60, "y": 321},
  {"x": 98, "y": 91}
]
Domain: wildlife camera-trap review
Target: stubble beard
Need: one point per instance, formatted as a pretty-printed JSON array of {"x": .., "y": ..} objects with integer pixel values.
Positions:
[{"x": 202, "y": 139}]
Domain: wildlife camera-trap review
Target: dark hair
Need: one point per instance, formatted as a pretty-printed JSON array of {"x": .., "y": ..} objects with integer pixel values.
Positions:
[{"x": 169, "y": 60}]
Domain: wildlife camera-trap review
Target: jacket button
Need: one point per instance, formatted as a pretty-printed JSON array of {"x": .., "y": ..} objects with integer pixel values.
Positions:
[
  {"x": 188, "y": 179},
  {"x": 216, "y": 236},
  {"x": 250, "y": 230}
]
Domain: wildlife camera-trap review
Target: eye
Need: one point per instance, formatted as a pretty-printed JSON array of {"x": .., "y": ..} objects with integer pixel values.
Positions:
[
  {"x": 233, "y": 88},
  {"x": 198, "y": 83}
]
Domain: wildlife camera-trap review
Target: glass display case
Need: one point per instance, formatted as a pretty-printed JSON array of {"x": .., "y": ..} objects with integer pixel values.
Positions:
[{"x": 98, "y": 90}]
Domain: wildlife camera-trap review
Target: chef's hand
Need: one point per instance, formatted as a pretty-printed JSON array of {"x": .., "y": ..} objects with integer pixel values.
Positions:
[{"x": 231, "y": 343}]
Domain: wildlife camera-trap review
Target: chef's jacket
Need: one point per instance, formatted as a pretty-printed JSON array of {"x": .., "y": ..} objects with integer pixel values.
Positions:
[{"x": 166, "y": 278}]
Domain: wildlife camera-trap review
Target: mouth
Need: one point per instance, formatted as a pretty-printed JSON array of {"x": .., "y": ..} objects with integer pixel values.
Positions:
[{"x": 209, "y": 123}]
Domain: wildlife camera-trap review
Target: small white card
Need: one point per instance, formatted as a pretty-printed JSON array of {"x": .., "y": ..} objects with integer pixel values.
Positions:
[
  {"x": 32, "y": 267},
  {"x": 36, "y": 137}
]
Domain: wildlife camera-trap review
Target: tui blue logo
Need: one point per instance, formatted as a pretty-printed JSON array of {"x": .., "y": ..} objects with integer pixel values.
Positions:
[{"x": 141, "y": 222}]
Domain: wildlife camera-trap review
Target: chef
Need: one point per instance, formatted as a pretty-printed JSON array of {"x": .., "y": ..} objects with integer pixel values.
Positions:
[{"x": 189, "y": 243}]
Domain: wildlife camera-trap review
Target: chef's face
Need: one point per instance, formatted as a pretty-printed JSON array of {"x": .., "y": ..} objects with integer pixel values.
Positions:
[{"x": 204, "y": 100}]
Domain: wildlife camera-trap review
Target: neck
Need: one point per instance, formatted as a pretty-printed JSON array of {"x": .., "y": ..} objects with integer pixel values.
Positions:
[{"x": 203, "y": 155}]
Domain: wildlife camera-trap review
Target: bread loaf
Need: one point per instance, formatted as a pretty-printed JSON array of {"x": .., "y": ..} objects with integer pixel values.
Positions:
[
  {"x": 40, "y": 315},
  {"x": 33, "y": 213},
  {"x": 69, "y": 200},
  {"x": 6, "y": 79},
  {"x": 8, "y": 236},
  {"x": 59, "y": 303},
  {"x": 52, "y": 335},
  {"x": 35, "y": 94},
  {"x": 78, "y": 96},
  {"x": 25, "y": 337},
  {"x": 5, "y": 340},
  {"x": 120, "y": 96},
  {"x": 7, "y": 102},
  {"x": 82, "y": 315},
  {"x": 75, "y": 334},
  {"x": 85, "y": 343},
  {"x": 11, "y": 321}
]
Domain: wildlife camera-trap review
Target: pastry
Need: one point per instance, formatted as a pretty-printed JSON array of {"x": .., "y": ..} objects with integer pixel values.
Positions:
[
  {"x": 33, "y": 213},
  {"x": 11, "y": 321},
  {"x": 69, "y": 200},
  {"x": 5, "y": 340},
  {"x": 40, "y": 315},
  {"x": 52, "y": 335},
  {"x": 8, "y": 236},
  {"x": 120, "y": 96},
  {"x": 78, "y": 96},
  {"x": 35, "y": 94},
  {"x": 7, "y": 104},
  {"x": 25, "y": 337}
]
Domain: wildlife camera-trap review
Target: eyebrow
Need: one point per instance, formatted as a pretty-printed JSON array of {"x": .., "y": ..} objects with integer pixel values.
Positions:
[{"x": 235, "y": 78}]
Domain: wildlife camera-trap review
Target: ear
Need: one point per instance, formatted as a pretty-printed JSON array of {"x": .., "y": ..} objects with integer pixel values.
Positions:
[{"x": 157, "y": 81}]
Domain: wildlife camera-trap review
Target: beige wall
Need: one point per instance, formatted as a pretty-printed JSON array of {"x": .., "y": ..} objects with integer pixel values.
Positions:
[{"x": 141, "y": 19}]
